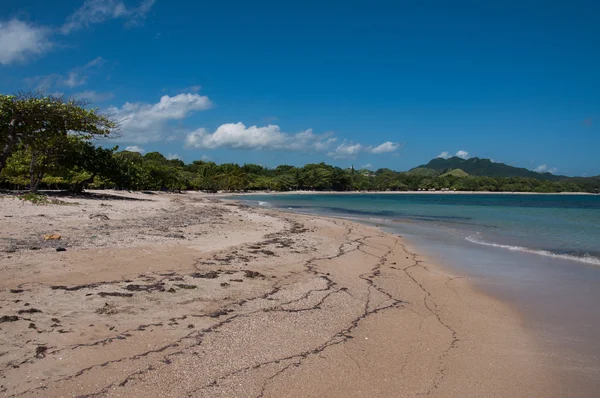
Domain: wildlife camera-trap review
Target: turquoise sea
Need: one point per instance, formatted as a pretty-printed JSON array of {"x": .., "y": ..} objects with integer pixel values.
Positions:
[{"x": 541, "y": 253}]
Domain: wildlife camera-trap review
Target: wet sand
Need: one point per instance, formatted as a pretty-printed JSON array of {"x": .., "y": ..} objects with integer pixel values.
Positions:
[{"x": 183, "y": 295}]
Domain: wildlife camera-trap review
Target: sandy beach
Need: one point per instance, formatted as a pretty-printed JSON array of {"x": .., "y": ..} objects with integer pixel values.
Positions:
[{"x": 174, "y": 295}]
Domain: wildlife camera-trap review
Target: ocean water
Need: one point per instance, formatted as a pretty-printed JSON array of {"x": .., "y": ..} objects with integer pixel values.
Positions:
[{"x": 540, "y": 253}]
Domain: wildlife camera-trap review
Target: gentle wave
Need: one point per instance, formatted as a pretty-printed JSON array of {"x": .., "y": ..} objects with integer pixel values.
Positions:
[
  {"x": 261, "y": 203},
  {"x": 583, "y": 259}
]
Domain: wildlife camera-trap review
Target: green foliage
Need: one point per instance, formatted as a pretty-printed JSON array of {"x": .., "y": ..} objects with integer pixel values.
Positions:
[
  {"x": 77, "y": 164},
  {"x": 34, "y": 198},
  {"x": 423, "y": 172},
  {"x": 455, "y": 173},
  {"x": 41, "y": 127},
  {"x": 16, "y": 171},
  {"x": 44, "y": 142}
]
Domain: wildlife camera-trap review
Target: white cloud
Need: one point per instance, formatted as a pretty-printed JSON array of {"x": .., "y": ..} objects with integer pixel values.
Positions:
[
  {"x": 367, "y": 166},
  {"x": 74, "y": 80},
  {"x": 346, "y": 150},
  {"x": 385, "y": 147},
  {"x": 141, "y": 123},
  {"x": 238, "y": 136},
  {"x": 94, "y": 96},
  {"x": 350, "y": 150},
  {"x": 135, "y": 148},
  {"x": 271, "y": 138},
  {"x": 462, "y": 154},
  {"x": 20, "y": 40},
  {"x": 98, "y": 11},
  {"x": 173, "y": 156},
  {"x": 544, "y": 168},
  {"x": 75, "y": 77}
]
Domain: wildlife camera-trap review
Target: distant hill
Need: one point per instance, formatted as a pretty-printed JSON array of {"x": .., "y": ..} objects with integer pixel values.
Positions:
[
  {"x": 455, "y": 173},
  {"x": 423, "y": 172},
  {"x": 484, "y": 167}
]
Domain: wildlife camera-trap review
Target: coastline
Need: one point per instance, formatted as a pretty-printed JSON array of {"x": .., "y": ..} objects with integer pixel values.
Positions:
[
  {"x": 395, "y": 193},
  {"x": 185, "y": 294}
]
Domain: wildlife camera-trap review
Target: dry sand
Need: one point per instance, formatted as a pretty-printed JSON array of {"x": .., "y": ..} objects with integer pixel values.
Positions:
[{"x": 170, "y": 295}]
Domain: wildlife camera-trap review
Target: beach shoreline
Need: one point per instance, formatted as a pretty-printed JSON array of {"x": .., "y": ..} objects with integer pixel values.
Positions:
[
  {"x": 168, "y": 295},
  {"x": 439, "y": 192}
]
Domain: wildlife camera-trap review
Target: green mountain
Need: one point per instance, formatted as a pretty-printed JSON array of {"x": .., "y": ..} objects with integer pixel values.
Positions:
[
  {"x": 423, "y": 172},
  {"x": 455, "y": 173},
  {"x": 484, "y": 167}
]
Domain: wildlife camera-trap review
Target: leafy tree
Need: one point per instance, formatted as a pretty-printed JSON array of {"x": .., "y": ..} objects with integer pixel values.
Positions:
[
  {"x": 81, "y": 162},
  {"x": 16, "y": 170},
  {"x": 40, "y": 124}
]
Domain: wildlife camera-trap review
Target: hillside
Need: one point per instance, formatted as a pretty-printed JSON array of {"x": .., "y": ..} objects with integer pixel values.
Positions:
[
  {"x": 423, "y": 172},
  {"x": 455, "y": 173},
  {"x": 485, "y": 167}
]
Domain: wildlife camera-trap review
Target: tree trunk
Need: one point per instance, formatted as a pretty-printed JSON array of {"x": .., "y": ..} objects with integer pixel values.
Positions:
[
  {"x": 36, "y": 173},
  {"x": 79, "y": 186},
  {"x": 32, "y": 180}
]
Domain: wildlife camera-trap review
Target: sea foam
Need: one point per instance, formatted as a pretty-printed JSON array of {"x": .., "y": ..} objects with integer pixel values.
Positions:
[{"x": 583, "y": 259}]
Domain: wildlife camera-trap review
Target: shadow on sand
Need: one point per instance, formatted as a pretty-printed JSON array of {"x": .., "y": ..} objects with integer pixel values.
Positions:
[{"x": 83, "y": 195}]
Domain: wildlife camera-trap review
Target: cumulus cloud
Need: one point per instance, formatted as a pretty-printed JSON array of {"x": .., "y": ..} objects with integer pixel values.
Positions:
[
  {"x": 368, "y": 166},
  {"x": 75, "y": 77},
  {"x": 20, "y": 40},
  {"x": 462, "y": 154},
  {"x": 98, "y": 11},
  {"x": 350, "y": 150},
  {"x": 270, "y": 137},
  {"x": 94, "y": 96},
  {"x": 346, "y": 150},
  {"x": 135, "y": 148},
  {"x": 545, "y": 169},
  {"x": 140, "y": 123},
  {"x": 385, "y": 147},
  {"x": 173, "y": 156}
]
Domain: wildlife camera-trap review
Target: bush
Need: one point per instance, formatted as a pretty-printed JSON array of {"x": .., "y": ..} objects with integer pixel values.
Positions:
[{"x": 35, "y": 198}]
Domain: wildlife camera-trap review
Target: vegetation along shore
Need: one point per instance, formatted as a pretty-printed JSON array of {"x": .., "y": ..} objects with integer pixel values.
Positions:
[{"x": 41, "y": 151}]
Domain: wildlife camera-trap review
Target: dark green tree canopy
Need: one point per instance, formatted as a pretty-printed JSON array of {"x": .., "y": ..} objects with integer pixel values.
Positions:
[{"x": 36, "y": 121}]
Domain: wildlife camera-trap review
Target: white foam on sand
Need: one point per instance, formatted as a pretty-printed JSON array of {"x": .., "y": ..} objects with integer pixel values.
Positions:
[{"x": 587, "y": 259}]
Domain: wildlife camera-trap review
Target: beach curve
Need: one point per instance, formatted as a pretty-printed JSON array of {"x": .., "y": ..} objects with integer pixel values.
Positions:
[{"x": 250, "y": 302}]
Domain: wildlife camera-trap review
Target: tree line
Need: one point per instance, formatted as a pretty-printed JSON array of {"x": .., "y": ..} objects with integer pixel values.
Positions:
[{"x": 46, "y": 143}]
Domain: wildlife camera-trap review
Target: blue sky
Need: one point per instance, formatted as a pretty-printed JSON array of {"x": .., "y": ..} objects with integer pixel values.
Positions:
[{"x": 380, "y": 83}]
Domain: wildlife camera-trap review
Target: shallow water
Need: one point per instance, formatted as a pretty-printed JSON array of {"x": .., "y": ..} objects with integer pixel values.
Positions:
[{"x": 538, "y": 252}]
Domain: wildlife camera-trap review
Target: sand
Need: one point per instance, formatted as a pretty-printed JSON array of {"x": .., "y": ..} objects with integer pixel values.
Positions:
[{"x": 171, "y": 295}]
